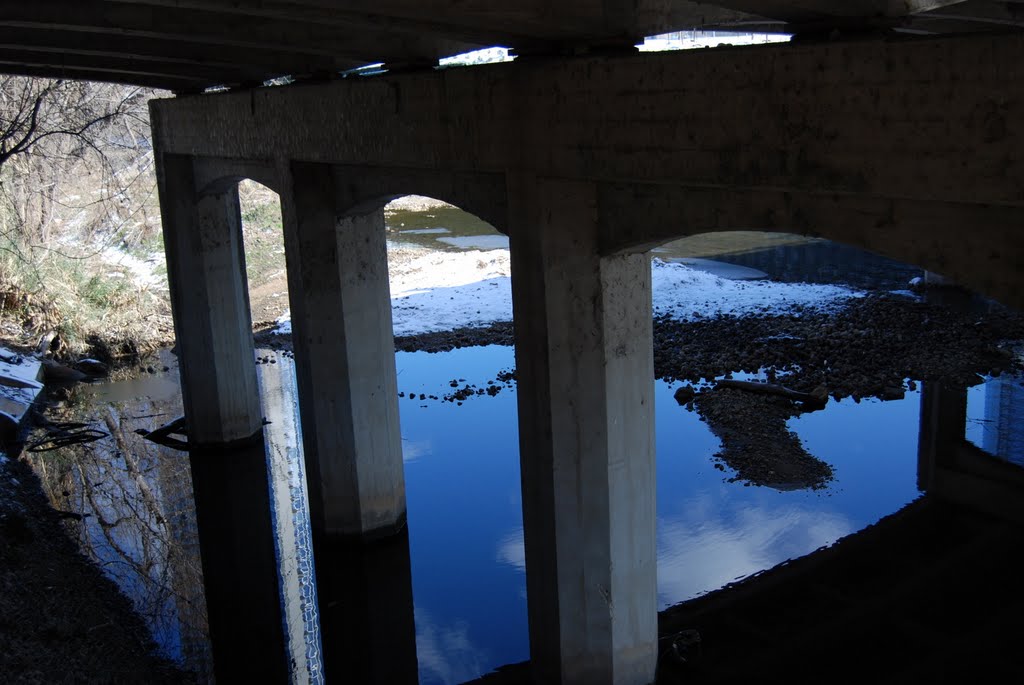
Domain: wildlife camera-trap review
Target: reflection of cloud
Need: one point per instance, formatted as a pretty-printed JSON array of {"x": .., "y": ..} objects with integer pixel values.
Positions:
[
  {"x": 707, "y": 547},
  {"x": 512, "y": 550},
  {"x": 445, "y": 654},
  {"x": 413, "y": 450},
  {"x": 702, "y": 550}
]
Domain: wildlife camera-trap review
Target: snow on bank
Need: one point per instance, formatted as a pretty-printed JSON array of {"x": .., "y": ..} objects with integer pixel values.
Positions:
[
  {"x": 684, "y": 293},
  {"x": 445, "y": 290},
  {"x": 145, "y": 272}
]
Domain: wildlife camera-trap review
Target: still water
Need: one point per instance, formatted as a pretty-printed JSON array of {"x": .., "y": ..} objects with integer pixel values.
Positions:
[
  {"x": 454, "y": 591},
  {"x": 465, "y": 534}
]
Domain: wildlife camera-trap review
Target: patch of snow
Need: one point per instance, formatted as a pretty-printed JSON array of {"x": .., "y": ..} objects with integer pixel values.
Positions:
[
  {"x": 143, "y": 271},
  {"x": 414, "y": 203},
  {"x": 481, "y": 56},
  {"x": 444, "y": 290},
  {"x": 685, "y": 293}
]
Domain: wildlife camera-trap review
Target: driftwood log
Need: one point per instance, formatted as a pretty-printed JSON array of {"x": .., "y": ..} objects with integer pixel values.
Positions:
[{"x": 816, "y": 398}]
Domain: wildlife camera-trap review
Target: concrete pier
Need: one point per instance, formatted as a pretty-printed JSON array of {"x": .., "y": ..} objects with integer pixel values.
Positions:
[
  {"x": 586, "y": 421},
  {"x": 210, "y": 303},
  {"x": 344, "y": 357}
]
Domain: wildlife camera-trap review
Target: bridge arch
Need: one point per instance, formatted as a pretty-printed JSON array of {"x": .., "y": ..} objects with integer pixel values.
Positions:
[{"x": 979, "y": 246}]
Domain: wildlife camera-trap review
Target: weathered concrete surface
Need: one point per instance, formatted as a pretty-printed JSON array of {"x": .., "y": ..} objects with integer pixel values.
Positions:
[
  {"x": 210, "y": 304},
  {"x": 586, "y": 421},
  {"x": 905, "y": 148},
  {"x": 344, "y": 357}
]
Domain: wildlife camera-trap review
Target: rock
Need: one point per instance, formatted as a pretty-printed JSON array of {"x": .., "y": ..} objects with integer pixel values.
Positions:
[
  {"x": 92, "y": 367},
  {"x": 685, "y": 394},
  {"x": 893, "y": 393},
  {"x": 55, "y": 372}
]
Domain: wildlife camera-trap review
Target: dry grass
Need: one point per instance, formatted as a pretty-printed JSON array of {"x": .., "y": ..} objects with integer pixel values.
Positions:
[{"x": 93, "y": 308}]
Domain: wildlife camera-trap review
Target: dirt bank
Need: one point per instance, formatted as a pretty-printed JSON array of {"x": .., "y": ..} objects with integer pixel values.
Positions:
[{"x": 61, "y": 620}]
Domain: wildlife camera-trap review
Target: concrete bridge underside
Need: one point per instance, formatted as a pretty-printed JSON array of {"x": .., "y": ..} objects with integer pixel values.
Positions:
[{"x": 906, "y": 148}]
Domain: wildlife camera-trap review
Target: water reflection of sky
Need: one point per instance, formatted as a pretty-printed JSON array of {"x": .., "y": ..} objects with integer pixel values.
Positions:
[
  {"x": 462, "y": 480},
  {"x": 462, "y": 487}
]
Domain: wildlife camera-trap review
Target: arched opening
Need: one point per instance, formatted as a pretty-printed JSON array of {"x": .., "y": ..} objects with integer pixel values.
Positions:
[
  {"x": 263, "y": 238},
  {"x": 451, "y": 311},
  {"x": 452, "y": 314},
  {"x": 753, "y": 331}
]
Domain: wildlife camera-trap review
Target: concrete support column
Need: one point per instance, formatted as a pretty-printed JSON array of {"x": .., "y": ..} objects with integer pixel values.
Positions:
[
  {"x": 584, "y": 365},
  {"x": 210, "y": 303},
  {"x": 344, "y": 358}
]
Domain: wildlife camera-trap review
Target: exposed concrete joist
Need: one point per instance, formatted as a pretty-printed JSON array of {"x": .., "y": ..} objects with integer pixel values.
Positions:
[
  {"x": 240, "y": 32},
  {"x": 122, "y": 75},
  {"x": 320, "y": 37},
  {"x": 175, "y": 58}
]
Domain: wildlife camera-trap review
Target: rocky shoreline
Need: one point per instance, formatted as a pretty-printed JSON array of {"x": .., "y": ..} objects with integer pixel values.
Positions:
[{"x": 877, "y": 346}]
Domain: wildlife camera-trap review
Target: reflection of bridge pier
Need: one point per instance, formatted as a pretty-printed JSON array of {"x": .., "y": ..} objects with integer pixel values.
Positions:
[
  {"x": 240, "y": 572},
  {"x": 1003, "y": 430},
  {"x": 366, "y": 611},
  {"x": 949, "y": 467}
]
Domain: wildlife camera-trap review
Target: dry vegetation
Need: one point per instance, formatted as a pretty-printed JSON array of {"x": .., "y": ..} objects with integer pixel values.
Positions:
[
  {"x": 77, "y": 208},
  {"x": 81, "y": 255}
]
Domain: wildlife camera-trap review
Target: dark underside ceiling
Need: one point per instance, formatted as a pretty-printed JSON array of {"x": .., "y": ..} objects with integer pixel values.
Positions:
[{"x": 191, "y": 45}]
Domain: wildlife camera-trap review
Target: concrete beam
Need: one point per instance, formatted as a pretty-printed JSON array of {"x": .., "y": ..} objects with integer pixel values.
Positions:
[
  {"x": 344, "y": 357},
  {"x": 210, "y": 304},
  {"x": 586, "y": 420},
  {"x": 482, "y": 194},
  {"x": 904, "y": 148},
  {"x": 926, "y": 119}
]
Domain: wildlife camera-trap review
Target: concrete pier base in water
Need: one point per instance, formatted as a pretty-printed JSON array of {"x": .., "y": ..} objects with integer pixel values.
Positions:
[
  {"x": 210, "y": 303},
  {"x": 586, "y": 422},
  {"x": 344, "y": 358}
]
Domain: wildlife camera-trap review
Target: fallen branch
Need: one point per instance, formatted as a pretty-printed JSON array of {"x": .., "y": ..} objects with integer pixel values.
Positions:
[
  {"x": 162, "y": 435},
  {"x": 816, "y": 398}
]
